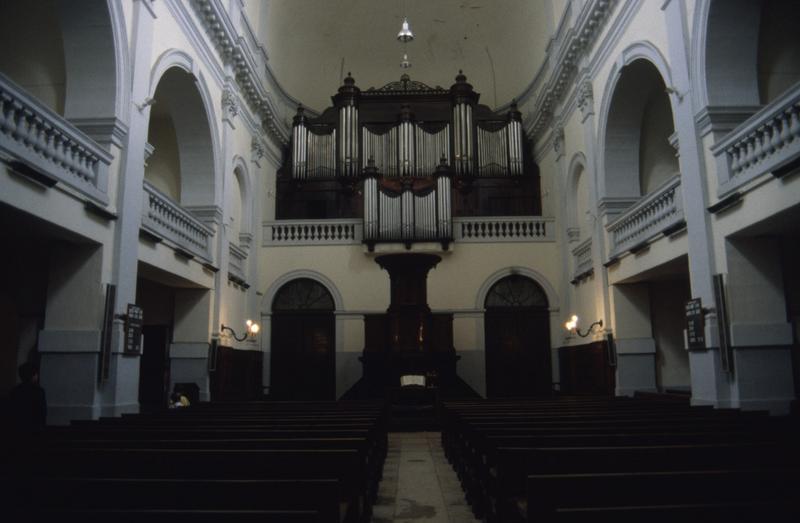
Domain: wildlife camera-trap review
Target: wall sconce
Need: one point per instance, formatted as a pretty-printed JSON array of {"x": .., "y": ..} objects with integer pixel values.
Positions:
[
  {"x": 252, "y": 329},
  {"x": 572, "y": 326}
]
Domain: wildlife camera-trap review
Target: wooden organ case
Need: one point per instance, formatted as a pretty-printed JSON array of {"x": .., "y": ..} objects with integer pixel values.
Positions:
[{"x": 407, "y": 158}]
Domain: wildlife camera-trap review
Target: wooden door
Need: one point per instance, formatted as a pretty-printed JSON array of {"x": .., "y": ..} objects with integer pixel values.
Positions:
[
  {"x": 153, "y": 368},
  {"x": 517, "y": 339},
  {"x": 303, "y": 343},
  {"x": 303, "y": 348},
  {"x": 517, "y": 352}
]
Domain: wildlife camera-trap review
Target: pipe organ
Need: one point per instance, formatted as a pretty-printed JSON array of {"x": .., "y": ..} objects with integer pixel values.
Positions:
[
  {"x": 403, "y": 214},
  {"x": 407, "y": 157}
]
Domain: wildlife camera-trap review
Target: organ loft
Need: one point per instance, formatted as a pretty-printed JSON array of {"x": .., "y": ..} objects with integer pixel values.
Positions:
[{"x": 407, "y": 159}]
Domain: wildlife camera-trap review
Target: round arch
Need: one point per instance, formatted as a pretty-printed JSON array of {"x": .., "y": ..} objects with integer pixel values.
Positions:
[
  {"x": 517, "y": 338},
  {"x": 195, "y": 125},
  {"x": 272, "y": 290},
  {"x": 724, "y": 65},
  {"x": 303, "y": 338},
  {"x": 619, "y": 127},
  {"x": 577, "y": 169},
  {"x": 79, "y": 69},
  {"x": 95, "y": 58},
  {"x": 483, "y": 292},
  {"x": 242, "y": 174}
]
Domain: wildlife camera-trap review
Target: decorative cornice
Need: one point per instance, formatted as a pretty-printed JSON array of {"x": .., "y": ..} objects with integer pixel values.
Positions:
[
  {"x": 577, "y": 42},
  {"x": 257, "y": 150},
  {"x": 236, "y": 54},
  {"x": 558, "y": 140},
  {"x": 586, "y": 99},
  {"x": 230, "y": 103}
]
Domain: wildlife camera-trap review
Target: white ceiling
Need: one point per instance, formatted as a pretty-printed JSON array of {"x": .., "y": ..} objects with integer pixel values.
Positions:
[{"x": 312, "y": 44}]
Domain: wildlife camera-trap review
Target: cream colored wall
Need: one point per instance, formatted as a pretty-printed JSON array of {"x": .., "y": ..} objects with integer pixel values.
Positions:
[
  {"x": 363, "y": 285},
  {"x": 32, "y": 50},
  {"x": 163, "y": 168}
]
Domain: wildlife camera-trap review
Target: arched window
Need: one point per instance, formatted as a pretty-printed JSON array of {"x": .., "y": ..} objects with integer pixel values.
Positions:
[
  {"x": 303, "y": 294},
  {"x": 516, "y": 291}
]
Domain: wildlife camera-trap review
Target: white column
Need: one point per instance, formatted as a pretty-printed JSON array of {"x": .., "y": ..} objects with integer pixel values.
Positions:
[
  {"x": 70, "y": 352},
  {"x": 709, "y": 383}
]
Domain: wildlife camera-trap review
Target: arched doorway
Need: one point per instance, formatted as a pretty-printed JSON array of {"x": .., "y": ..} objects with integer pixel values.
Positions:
[
  {"x": 517, "y": 331},
  {"x": 303, "y": 342}
]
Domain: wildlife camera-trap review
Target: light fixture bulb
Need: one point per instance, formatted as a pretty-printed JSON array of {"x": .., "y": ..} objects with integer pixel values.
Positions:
[
  {"x": 405, "y": 35},
  {"x": 572, "y": 324},
  {"x": 254, "y": 328},
  {"x": 249, "y": 323},
  {"x": 405, "y": 64}
]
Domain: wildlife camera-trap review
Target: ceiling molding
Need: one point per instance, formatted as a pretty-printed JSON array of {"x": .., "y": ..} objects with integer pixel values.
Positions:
[
  {"x": 235, "y": 51},
  {"x": 576, "y": 43}
]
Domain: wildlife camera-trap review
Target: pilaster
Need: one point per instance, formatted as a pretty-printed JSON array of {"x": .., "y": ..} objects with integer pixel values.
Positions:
[{"x": 708, "y": 382}]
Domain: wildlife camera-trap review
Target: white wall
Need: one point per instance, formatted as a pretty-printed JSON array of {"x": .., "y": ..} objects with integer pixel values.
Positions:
[
  {"x": 778, "y": 48},
  {"x": 32, "y": 50},
  {"x": 163, "y": 168}
]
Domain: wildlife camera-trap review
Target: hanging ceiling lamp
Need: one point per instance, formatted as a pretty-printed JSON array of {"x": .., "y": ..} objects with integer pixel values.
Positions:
[{"x": 405, "y": 35}]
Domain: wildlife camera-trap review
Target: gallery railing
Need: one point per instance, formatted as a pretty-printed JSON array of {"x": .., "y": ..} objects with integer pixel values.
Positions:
[
  {"x": 165, "y": 218},
  {"x": 46, "y": 143},
  {"x": 766, "y": 142},
  {"x": 499, "y": 229},
  {"x": 313, "y": 232},
  {"x": 648, "y": 217}
]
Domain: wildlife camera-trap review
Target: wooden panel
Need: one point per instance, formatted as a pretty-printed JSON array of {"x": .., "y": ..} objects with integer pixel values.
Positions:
[
  {"x": 237, "y": 376},
  {"x": 303, "y": 351},
  {"x": 585, "y": 369},
  {"x": 517, "y": 352}
]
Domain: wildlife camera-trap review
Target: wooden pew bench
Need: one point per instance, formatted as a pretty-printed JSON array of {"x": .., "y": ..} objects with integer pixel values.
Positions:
[
  {"x": 714, "y": 494},
  {"x": 506, "y": 483},
  {"x": 320, "y": 497},
  {"x": 346, "y": 465}
]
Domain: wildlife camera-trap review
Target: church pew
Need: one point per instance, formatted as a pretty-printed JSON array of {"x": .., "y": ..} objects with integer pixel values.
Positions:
[
  {"x": 346, "y": 465},
  {"x": 771, "y": 490},
  {"x": 733, "y": 512},
  {"x": 372, "y": 456},
  {"x": 172, "y": 516},
  {"x": 469, "y": 445},
  {"x": 506, "y": 481},
  {"x": 320, "y": 496}
]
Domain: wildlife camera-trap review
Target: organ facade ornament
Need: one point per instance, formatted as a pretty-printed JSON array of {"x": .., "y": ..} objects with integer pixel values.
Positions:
[{"x": 391, "y": 156}]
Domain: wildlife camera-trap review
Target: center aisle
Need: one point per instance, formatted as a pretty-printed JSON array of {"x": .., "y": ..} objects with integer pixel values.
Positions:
[{"x": 419, "y": 484}]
